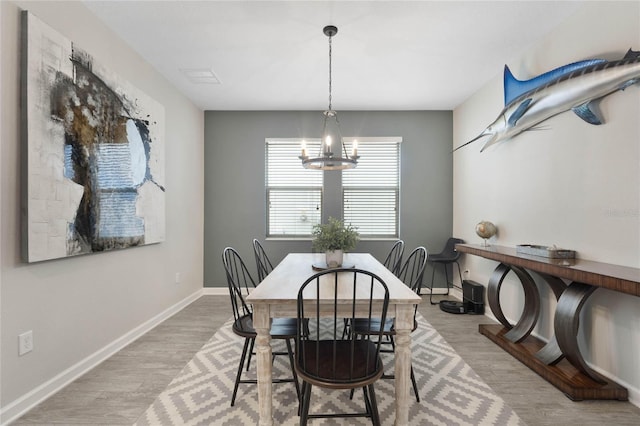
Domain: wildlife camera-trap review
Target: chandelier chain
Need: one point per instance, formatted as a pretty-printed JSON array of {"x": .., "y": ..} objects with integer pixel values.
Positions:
[{"x": 330, "y": 37}]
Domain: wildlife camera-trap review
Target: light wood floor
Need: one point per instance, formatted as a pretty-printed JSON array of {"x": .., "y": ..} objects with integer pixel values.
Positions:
[{"x": 120, "y": 389}]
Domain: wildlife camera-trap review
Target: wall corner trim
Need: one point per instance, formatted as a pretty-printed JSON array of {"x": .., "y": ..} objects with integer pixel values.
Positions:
[{"x": 20, "y": 406}]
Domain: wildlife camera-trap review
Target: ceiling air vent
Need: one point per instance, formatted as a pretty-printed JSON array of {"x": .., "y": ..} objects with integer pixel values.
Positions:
[{"x": 200, "y": 75}]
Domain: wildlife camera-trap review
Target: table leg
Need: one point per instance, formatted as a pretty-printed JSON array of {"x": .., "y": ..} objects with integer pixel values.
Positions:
[
  {"x": 403, "y": 326},
  {"x": 262, "y": 325}
]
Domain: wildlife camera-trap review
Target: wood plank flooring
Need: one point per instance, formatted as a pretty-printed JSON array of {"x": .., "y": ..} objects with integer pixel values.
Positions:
[{"x": 119, "y": 390}]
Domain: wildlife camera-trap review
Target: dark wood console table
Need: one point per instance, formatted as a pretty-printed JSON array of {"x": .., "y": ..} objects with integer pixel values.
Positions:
[{"x": 559, "y": 360}]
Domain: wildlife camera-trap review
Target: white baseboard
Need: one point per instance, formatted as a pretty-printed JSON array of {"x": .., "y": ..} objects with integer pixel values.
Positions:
[
  {"x": 215, "y": 291},
  {"x": 634, "y": 393},
  {"x": 20, "y": 406}
]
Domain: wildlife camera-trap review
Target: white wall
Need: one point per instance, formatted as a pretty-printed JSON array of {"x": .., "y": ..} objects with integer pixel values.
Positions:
[
  {"x": 79, "y": 306},
  {"x": 574, "y": 185}
]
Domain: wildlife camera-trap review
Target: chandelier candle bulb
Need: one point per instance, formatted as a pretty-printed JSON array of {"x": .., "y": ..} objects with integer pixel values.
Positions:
[
  {"x": 304, "y": 149},
  {"x": 355, "y": 149}
]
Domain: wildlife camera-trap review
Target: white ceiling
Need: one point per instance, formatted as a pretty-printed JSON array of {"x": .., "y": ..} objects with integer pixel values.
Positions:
[{"x": 387, "y": 55}]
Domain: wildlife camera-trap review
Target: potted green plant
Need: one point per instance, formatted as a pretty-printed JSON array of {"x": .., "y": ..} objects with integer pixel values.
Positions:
[{"x": 334, "y": 238}]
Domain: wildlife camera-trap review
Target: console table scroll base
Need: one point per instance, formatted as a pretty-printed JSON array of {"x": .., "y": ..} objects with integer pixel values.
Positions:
[
  {"x": 559, "y": 361},
  {"x": 563, "y": 375}
]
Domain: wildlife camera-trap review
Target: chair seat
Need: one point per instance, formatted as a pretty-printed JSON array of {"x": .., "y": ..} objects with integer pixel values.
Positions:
[
  {"x": 281, "y": 328},
  {"x": 316, "y": 367},
  {"x": 442, "y": 258},
  {"x": 363, "y": 326}
]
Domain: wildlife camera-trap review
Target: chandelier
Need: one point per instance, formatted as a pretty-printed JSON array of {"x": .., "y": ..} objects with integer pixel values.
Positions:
[{"x": 327, "y": 159}]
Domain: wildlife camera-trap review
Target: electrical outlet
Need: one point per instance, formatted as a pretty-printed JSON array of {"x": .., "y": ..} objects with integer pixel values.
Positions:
[
  {"x": 177, "y": 277},
  {"x": 25, "y": 342}
]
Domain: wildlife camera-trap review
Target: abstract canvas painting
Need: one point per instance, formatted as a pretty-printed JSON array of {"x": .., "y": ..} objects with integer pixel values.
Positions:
[{"x": 94, "y": 152}]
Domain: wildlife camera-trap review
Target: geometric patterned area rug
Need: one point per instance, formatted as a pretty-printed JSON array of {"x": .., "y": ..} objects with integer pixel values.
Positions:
[{"x": 451, "y": 393}]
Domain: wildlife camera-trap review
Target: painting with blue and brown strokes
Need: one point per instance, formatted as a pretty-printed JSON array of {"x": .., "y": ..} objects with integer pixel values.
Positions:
[{"x": 105, "y": 138}]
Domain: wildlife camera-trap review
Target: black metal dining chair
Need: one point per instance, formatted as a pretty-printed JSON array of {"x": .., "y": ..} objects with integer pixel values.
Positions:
[
  {"x": 448, "y": 256},
  {"x": 326, "y": 358},
  {"x": 393, "y": 262},
  {"x": 240, "y": 281},
  {"x": 411, "y": 273},
  {"x": 263, "y": 264}
]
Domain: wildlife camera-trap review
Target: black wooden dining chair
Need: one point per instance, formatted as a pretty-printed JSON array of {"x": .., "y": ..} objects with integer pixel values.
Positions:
[
  {"x": 263, "y": 264},
  {"x": 448, "y": 256},
  {"x": 411, "y": 273},
  {"x": 240, "y": 282},
  {"x": 326, "y": 358},
  {"x": 393, "y": 262}
]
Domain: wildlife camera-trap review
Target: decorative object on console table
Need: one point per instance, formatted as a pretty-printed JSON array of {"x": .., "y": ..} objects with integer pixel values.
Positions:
[
  {"x": 486, "y": 230},
  {"x": 334, "y": 238},
  {"x": 544, "y": 251}
]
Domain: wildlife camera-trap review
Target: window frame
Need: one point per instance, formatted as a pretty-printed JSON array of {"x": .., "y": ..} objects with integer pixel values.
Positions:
[
  {"x": 315, "y": 190},
  {"x": 377, "y": 188}
]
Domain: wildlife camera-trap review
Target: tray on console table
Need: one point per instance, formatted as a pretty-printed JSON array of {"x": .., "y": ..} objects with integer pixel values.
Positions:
[{"x": 559, "y": 361}]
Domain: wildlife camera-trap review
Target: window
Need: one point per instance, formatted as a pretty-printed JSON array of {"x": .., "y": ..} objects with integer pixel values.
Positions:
[
  {"x": 294, "y": 194},
  {"x": 371, "y": 190}
]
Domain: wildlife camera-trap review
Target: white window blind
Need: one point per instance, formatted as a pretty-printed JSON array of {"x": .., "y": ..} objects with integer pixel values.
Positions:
[
  {"x": 294, "y": 194},
  {"x": 371, "y": 190}
]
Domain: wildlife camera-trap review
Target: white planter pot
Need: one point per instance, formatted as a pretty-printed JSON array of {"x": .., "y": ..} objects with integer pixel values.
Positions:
[{"x": 334, "y": 258}]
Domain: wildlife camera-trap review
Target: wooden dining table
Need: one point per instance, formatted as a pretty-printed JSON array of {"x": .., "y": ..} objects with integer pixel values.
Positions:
[{"x": 276, "y": 296}]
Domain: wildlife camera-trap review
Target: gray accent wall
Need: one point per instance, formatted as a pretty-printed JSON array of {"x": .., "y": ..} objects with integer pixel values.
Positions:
[{"x": 234, "y": 195}]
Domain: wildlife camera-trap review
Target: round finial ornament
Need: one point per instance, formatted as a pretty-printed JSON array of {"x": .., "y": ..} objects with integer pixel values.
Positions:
[{"x": 486, "y": 230}]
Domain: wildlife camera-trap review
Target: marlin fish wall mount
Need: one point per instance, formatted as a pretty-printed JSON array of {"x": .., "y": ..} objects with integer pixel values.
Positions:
[{"x": 578, "y": 87}]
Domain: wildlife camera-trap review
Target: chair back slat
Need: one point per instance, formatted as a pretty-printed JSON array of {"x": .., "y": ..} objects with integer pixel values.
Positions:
[
  {"x": 263, "y": 264},
  {"x": 393, "y": 262},
  {"x": 412, "y": 270}
]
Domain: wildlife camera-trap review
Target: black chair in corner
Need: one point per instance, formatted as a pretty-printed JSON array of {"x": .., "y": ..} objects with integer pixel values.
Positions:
[
  {"x": 263, "y": 264},
  {"x": 240, "y": 281},
  {"x": 326, "y": 358},
  {"x": 411, "y": 274},
  {"x": 393, "y": 262},
  {"x": 449, "y": 255}
]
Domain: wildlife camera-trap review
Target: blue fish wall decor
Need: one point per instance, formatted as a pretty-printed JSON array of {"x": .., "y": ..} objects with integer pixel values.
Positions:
[{"x": 577, "y": 87}]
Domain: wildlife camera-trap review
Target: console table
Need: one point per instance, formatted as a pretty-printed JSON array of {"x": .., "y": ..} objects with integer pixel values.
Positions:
[{"x": 559, "y": 360}]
